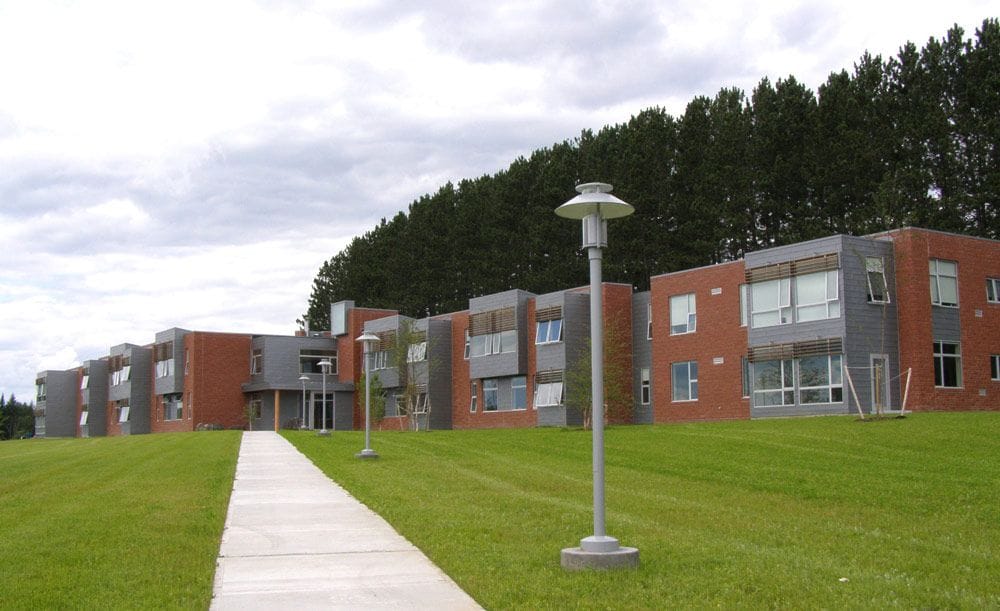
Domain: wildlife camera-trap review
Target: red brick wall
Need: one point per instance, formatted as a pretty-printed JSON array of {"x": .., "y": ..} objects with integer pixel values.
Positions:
[
  {"x": 219, "y": 366},
  {"x": 617, "y": 302},
  {"x": 158, "y": 425},
  {"x": 718, "y": 334},
  {"x": 980, "y": 335}
]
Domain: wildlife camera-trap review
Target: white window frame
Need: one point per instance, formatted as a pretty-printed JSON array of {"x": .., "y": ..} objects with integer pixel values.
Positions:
[
  {"x": 745, "y": 374},
  {"x": 85, "y": 381},
  {"x": 691, "y": 392},
  {"x": 941, "y": 357},
  {"x": 995, "y": 367},
  {"x": 549, "y": 331},
  {"x": 787, "y": 393},
  {"x": 937, "y": 277},
  {"x": 416, "y": 352},
  {"x": 644, "y": 387},
  {"x": 548, "y": 394},
  {"x": 834, "y": 372},
  {"x": 256, "y": 361},
  {"x": 686, "y": 319},
  {"x": 318, "y": 356},
  {"x": 468, "y": 344},
  {"x": 124, "y": 411},
  {"x": 165, "y": 368},
  {"x": 744, "y": 292},
  {"x": 649, "y": 320},
  {"x": 783, "y": 309},
  {"x": 473, "y": 397},
  {"x": 993, "y": 290},
  {"x": 826, "y": 307},
  {"x": 126, "y": 373},
  {"x": 876, "y": 266}
]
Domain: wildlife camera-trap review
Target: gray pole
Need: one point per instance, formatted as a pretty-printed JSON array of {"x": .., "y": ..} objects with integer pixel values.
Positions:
[
  {"x": 368, "y": 452},
  {"x": 597, "y": 386},
  {"x": 323, "y": 365}
]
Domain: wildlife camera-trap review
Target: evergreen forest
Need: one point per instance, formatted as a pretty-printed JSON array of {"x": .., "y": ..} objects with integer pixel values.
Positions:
[{"x": 909, "y": 141}]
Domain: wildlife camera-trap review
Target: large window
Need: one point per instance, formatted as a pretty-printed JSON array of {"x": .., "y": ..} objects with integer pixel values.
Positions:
[
  {"x": 683, "y": 318},
  {"x": 381, "y": 360},
  {"x": 416, "y": 352},
  {"x": 173, "y": 407},
  {"x": 878, "y": 289},
  {"x": 817, "y": 296},
  {"x": 644, "y": 385},
  {"x": 771, "y": 303},
  {"x": 494, "y": 343},
  {"x": 309, "y": 361},
  {"x": 947, "y": 365},
  {"x": 993, "y": 290},
  {"x": 474, "y": 397},
  {"x": 122, "y": 411},
  {"x": 944, "y": 282},
  {"x": 773, "y": 383},
  {"x": 549, "y": 331},
  {"x": 548, "y": 394},
  {"x": 519, "y": 392},
  {"x": 821, "y": 379},
  {"x": 995, "y": 367},
  {"x": 40, "y": 389},
  {"x": 684, "y": 377},
  {"x": 491, "y": 395},
  {"x": 165, "y": 368}
]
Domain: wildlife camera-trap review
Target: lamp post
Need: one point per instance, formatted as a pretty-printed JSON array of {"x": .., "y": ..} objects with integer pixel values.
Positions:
[
  {"x": 367, "y": 340},
  {"x": 303, "y": 378},
  {"x": 325, "y": 366},
  {"x": 594, "y": 205}
]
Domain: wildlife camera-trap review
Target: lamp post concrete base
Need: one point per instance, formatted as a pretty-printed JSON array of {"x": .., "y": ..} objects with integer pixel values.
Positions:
[
  {"x": 599, "y": 557},
  {"x": 323, "y": 433},
  {"x": 366, "y": 453}
]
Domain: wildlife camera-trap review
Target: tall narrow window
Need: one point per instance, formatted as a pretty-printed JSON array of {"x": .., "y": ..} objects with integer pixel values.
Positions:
[
  {"x": 944, "y": 283},
  {"x": 474, "y": 394},
  {"x": 468, "y": 344},
  {"x": 491, "y": 395},
  {"x": 519, "y": 392},
  {"x": 257, "y": 362},
  {"x": 771, "y": 303},
  {"x": 947, "y": 365},
  {"x": 878, "y": 290},
  {"x": 683, "y": 318},
  {"x": 817, "y": 296},
  {"x": 649, "y": 321},
  {"x": 993, "y": 290},
  {"x": 744, "y": 289},
  {"x": 995, "y": 367},
  {"x": 684, "y": 378},
  {"x": 85, "y": 381},
  {"x": 644, "y": 385},
  {"x": 746, "y": 377}
]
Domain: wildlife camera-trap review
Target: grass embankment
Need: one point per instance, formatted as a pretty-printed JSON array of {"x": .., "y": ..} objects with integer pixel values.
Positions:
[
  {"x": 126, "y": 522},
  {"x": 817, "y": 512}
]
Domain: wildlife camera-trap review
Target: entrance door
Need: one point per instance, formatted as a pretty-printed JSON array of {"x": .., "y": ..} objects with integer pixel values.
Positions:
[{"x": 880, "y": 382}]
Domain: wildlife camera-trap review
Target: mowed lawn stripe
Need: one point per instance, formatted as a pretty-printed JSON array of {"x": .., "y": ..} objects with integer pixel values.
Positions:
[
  {"x": 780, "y": 513},
  {"x": 128, "y": 522}
]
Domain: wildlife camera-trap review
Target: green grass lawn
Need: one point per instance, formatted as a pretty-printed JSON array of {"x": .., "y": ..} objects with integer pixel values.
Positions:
[
  {"x": 125, "y": 522},
  {"x": 814, "y": 512}
]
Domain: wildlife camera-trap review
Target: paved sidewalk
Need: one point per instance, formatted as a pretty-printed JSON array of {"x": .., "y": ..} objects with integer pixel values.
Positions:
[{"x": 296, "y": 540}]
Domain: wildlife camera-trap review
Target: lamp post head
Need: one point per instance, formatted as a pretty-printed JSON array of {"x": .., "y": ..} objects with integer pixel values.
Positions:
[
  {"x": 367, "y": 339},
  {"x": 303, "y": 378},
  {"x": 594, "y": 198},
  {"x": 325, "y": 365}
]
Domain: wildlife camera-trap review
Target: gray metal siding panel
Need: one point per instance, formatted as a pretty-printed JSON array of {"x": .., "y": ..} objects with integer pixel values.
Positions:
[
  {"x": 552, "y": 416},
  {"x": 792, "y": 252},
  {"x": 60, "y": 403},
  {"x": 139, "y": 387},
  {"x": 96, "y": 398},
  {"x": 281, "y": 359},
  {"x": 946, "y": 324},
  {"x": 642, "y": 356},
  {"x": 438, "y": 368},
  {"x": 175, "y": 383},
  {"x": 508, "y": 363}
]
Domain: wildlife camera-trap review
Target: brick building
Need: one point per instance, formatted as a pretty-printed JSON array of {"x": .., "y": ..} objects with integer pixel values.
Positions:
[{"x": 836, "y": 325}]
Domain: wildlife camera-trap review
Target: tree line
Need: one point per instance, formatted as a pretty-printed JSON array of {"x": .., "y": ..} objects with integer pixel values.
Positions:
[
  {"x": 912, "y": 140},
  {"x": 17, "y": 420}
]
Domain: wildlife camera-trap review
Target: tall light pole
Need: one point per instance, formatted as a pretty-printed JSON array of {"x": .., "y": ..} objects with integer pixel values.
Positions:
[
  {"x": 325, "y": 366},
  {"x": 594, "y": 205},
  {"x": 367, "y": 340},
  {"x": 303, "y": 378}
]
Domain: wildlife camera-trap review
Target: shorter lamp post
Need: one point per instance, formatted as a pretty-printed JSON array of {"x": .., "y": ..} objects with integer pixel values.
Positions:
[
  {"x": 325, "y": 366},
  {"x": 303, "y": 378},
  {"x": 594, "y": 205},
  {"x": 367, "y": 339}
]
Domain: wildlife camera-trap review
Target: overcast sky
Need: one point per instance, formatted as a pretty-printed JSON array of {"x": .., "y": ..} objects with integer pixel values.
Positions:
[{"x": 192, "y": 164}]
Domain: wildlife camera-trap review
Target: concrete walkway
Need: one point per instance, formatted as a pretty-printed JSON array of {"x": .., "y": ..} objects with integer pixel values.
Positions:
[{"x": 296, "y": 540}]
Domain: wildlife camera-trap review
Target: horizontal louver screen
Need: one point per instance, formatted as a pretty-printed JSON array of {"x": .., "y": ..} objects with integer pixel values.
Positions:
[
  {"x": 775, "y": 271},
  {"x": 550, "y": 313},
  {"x": 418, "y": 336},
  {"x": 548, "y": 377},
  {"x": 163, "y": 352},
  {"x": 386, "y": 340},
  {"x": 494, "y": 321},
  {"x": 780, "y": 352}
]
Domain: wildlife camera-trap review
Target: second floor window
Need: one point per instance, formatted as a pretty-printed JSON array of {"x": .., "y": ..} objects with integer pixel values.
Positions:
[
  {"x": 257, "y": 362},
  {"x": 309, "y": 361},
  {"x": 944, "y": 283},
  {"x": 683, "y": 318},
  {"x": 817, "y": 296},
  {"x": 993, "y": 290},
  {"x": 878, "y": 290},
  {"x": 549, "y": 331},
  {"x": 771, "y": 303}
]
